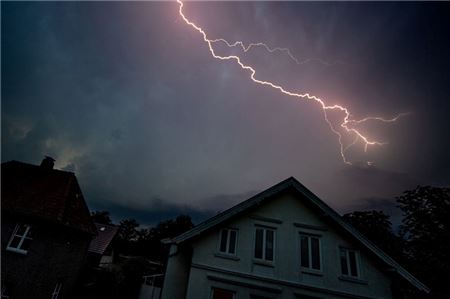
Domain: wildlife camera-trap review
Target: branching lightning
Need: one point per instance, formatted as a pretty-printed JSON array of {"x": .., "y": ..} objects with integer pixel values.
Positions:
[
  {"x": 347, "y": 124},
  {"x": 273, "y": 50}
]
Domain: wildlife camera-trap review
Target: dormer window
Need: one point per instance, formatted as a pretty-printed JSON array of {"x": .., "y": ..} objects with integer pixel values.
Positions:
[
  {"x": 228, "y": 241},
  {"x": 20, "y": 239}
]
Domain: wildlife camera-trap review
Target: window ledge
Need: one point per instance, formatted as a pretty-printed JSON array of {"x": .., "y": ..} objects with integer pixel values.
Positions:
[
  {"x": 263, "y": 263},
  {"x": 312, "y": 271},
  {"x": 353, "y": 279},
  {"x": 17, "y": 250},
  {"x": 226, "y": 256}
]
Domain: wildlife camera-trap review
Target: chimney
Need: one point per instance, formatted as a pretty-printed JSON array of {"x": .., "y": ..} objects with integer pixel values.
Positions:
[{"x": 48, "y": 163}]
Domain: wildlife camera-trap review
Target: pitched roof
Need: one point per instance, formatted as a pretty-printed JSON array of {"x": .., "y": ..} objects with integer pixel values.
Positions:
[
  {"x": 292, "y": 184},
  {"x": 48, "y": 194},
  {"x": 105, "y": 234}
]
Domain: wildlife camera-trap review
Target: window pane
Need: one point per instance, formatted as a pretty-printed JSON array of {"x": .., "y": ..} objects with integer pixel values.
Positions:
[
  {"x": 223, "y": 240},
  {"x": 25, "y": 244},
  {"x": 21, "y": 229},
  {"x": 15, "y": 242},
  {"x": 222, "y": 294},
  {"x": 258, "y": 243},
  {"x": 352, "y": 259},
  {"x": 343, "y": 258},
  {"x": 269, "y": 244},
  {"x": 232, "y": 248},
  {"x": 315, "y": 252},
  {"x": 304, "y": 251}
]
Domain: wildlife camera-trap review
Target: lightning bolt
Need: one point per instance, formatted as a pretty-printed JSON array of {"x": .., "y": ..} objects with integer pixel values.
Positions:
[
  {"x": 273, "y": 50},
  {"x": 347, "y": 125}
]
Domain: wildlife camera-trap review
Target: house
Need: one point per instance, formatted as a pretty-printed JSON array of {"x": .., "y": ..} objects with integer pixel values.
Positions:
[
  {"x": 282, "y": 243},
  {"x": 46, "y": 231},
  {"x": 101, "y": 251}
]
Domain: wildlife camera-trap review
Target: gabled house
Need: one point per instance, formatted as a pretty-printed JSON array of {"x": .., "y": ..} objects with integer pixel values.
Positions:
[
  {"x": 282, "y": 243},
  {"x": 101, "y": 251},
  {"x": 46, "y": 230}
]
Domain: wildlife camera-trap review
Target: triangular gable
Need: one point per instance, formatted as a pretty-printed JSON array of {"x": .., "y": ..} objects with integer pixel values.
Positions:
[{"x": 292, "y": 183}]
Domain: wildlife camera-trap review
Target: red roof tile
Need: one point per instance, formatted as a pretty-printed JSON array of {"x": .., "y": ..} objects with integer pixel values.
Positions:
[
  {"x": 105, "y": 234},
  {"x": 48, "y": 194}
]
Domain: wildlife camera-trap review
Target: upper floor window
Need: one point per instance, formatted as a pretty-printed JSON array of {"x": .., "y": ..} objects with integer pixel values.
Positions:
[
  {"x": 20, "y": 239},
  {"x": 228, "y": 240},
  {"x": 310, "y": 252},
  {"x": 264, "y": 243},
  {"x": 349, "y": 262}
]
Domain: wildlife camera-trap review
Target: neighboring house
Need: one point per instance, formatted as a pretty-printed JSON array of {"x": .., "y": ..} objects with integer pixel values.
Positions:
[
  {"x": 101, "y": 251},
  {"x": 282, "y": 243},
  {"x": 46, "y": 231}
]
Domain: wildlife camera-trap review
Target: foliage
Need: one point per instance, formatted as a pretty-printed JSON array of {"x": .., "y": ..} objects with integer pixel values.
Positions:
[
  {"x": 128, "y": 230},
  {"x": 101, "y": 217},
  {"x": 376, "y": 226},
  {"x": 426, "y": 229}
]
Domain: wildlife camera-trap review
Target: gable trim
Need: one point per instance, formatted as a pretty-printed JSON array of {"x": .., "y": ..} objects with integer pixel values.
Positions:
[{"x": 291, "y": 182}]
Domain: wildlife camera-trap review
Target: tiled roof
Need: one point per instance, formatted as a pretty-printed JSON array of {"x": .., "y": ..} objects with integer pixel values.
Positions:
[
  {"x": 47, "y": 194},
  {"x": 105, "y": 234}
]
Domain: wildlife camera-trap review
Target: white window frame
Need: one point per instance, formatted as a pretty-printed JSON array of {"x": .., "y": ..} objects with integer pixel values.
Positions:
[
  {"x": 309, "y": 236},
  {"x": 347, "y": 257},
  {"x": 56, "y": 290},
  {"x": 14, "y": 235},
  {"x": 227, "y": 244},
  {"x": 265, "y": 229}
]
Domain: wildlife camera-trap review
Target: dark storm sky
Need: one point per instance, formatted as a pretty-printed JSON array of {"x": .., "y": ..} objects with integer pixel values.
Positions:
[{"x": 127, "y": 96}]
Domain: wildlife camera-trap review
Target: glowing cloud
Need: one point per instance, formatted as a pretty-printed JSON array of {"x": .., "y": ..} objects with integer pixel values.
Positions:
[{"x": 347, "y": 124}]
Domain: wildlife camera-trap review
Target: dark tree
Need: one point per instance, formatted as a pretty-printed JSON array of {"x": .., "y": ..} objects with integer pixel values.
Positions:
[
  {"x": 101, "y": 217},
  {"x": 426, "y": 229},
  {"x": 128, "y": 230},
  {"x": 376, "y": 226}
]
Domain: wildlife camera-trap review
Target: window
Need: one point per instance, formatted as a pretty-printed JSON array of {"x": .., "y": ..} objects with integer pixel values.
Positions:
[
  {"x": 349, "y": 262},
  {"x": 55, "y": 293},
  {"x": 222, "y": 294},
  {"x": 20, "y": 239},
  {"x": 264, "y": 243},
  {"x": 310, "y": 252},
  {"x": 228, "y": 240}
]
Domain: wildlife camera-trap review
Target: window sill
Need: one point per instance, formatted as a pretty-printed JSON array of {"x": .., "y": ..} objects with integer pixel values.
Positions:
[
  {"x": 17, "y": 250},
  {"x": 263, "y": 263},
  {"x": 226, "y": 256},
  {"x": 312, "y": 271},
  {"x": 353, "y": 279}
]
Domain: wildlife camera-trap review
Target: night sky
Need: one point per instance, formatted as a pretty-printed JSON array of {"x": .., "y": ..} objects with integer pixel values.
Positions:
[{"x": 128, "y": 96}]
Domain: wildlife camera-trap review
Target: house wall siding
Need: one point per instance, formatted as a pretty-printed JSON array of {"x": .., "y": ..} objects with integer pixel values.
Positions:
[{"x": 289, "y": 210}]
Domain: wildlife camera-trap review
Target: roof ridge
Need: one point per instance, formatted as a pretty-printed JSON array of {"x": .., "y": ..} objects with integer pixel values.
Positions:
[{"x": 283, "y": 185}]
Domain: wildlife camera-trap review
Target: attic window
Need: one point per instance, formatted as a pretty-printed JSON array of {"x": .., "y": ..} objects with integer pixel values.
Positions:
[
  {"x": 228, "y": 240},
  {"x": 264, "y": 244},
  {"x": 102, "y": 229},
  {"x": 20, "y": 239},
  {"x": 349, "y": 262}
]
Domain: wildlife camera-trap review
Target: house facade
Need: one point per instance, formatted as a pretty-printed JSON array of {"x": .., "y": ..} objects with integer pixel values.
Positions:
[
  {"x": 46, "y": 231},
  {"x": 282, "y": 243}
]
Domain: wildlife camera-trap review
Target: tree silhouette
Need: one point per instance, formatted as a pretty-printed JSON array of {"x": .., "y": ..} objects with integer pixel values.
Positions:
[
  {"x": 426, "y": 230},
  {"x": 377, "y": 227},
  {"x": 101, "y": 217}
]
